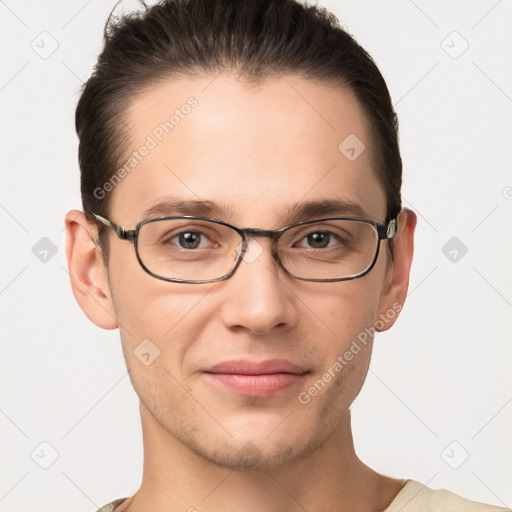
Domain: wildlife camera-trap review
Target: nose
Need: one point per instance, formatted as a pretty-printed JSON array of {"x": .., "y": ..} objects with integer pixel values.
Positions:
[{"x": 259, "y": 296}]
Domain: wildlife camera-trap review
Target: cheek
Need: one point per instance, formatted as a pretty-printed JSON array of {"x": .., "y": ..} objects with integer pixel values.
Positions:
[
  {"x": 338, "y": 321},
  {"x": 349, "y": 307},
  {"x": 170, "y": 315},
  {"x": 159, "y": 332},
  {"x": 345, "y": 314}
]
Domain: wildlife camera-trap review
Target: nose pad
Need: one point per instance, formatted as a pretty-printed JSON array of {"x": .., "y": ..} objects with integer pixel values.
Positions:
[{"x": 250, "y": 251}]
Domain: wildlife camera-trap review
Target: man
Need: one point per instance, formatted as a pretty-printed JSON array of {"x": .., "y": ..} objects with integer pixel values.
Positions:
[{"x": 243, "y": 229}]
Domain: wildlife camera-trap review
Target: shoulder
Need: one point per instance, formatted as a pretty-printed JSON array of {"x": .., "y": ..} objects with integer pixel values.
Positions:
[
  {"x": 110, "y": 507},
  {"x": 416, "y": 497}
]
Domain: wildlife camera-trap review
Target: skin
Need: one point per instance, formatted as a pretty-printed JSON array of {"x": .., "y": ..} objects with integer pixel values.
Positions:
[{"x": 257, "y": 150}]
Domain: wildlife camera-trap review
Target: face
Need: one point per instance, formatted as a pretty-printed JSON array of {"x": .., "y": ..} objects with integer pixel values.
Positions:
[{"x": 255, "y": 152}]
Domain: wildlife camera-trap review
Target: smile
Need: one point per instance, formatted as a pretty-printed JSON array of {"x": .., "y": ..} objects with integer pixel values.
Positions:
[{"x": 262, "y": 379}]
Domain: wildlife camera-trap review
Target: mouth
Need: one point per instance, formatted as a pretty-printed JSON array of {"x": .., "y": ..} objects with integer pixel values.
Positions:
[{"x": 251, "y": 378}]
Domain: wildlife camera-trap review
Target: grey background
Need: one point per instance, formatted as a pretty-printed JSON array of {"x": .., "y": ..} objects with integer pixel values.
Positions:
[{"x": 439, "y": 387}]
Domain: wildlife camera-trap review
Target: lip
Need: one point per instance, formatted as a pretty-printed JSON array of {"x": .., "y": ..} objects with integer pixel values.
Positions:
[{"x": 256, "y": 378}]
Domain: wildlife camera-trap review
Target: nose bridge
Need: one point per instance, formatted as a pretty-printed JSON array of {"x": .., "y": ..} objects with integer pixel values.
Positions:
[
  {"x": 267, "y": 233},
  {"x": 268, "y": 304},
  {"x": 262, "y": 233}
]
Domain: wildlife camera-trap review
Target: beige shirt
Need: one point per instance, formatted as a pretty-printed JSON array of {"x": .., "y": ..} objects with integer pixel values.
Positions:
[{"x": 414, "y": 497}]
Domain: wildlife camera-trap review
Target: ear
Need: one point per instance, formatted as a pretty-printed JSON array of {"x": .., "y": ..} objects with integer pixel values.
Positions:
[
  {"x": 89, "y": 277},
  {"x": 394, "y": 291}
]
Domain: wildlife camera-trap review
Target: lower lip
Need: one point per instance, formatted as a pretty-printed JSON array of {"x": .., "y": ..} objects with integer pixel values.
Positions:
[{"x": 256, "y": 385}]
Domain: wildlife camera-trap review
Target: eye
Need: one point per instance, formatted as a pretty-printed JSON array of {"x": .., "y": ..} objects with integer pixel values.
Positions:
[
  {"x": 189, "y": 239},
  {"x": 321, "y": 240}
]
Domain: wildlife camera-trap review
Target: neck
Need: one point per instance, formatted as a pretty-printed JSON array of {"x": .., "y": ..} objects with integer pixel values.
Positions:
[{"x": 330, "y": 478}]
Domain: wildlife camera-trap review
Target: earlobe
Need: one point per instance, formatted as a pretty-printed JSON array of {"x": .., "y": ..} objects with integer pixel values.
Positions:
[
  {"x": 89, "y": 279},
  {"x": 396, "y": 284}
]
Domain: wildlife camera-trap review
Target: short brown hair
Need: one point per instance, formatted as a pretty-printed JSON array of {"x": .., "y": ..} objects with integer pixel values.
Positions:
[{"x": 255, "y": 39}]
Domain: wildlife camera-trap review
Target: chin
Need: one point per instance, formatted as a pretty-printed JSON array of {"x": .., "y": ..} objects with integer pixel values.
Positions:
[{"x": 257, "y": 453}]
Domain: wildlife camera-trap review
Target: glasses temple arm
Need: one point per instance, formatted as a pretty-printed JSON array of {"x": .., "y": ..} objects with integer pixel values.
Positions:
[
  {"x": 387, "y": 231},
  {"x": 119, "y": 231}
]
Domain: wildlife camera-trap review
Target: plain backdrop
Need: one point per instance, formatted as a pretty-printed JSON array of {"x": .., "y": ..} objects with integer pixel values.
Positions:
[{"x": 436, "y": 406}]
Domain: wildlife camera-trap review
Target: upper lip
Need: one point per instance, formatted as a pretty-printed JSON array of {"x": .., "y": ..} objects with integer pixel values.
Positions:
[{"x": 245, "y": 367}]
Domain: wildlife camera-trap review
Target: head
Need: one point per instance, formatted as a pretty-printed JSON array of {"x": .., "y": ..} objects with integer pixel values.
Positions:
[{"x": 246, "y": 105}]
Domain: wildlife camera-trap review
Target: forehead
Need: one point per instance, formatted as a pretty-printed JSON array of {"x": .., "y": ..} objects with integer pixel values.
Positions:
[{"x": 254, "y": 150}]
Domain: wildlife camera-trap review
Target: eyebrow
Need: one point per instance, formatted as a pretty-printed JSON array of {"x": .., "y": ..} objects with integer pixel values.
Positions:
[{"x": 298, "y": 212}]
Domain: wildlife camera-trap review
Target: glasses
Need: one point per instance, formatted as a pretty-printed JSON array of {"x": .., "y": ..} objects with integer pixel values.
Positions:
[{"x": 191, "y": 249}]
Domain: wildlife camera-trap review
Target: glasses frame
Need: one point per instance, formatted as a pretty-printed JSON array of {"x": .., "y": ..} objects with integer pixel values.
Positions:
[{"x": 384, "y": 232}]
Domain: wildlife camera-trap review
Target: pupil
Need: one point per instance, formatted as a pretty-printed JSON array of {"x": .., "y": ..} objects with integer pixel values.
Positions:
[
  {"x": 319, "y": 240},
  {"x": 189, "y": 240}
]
